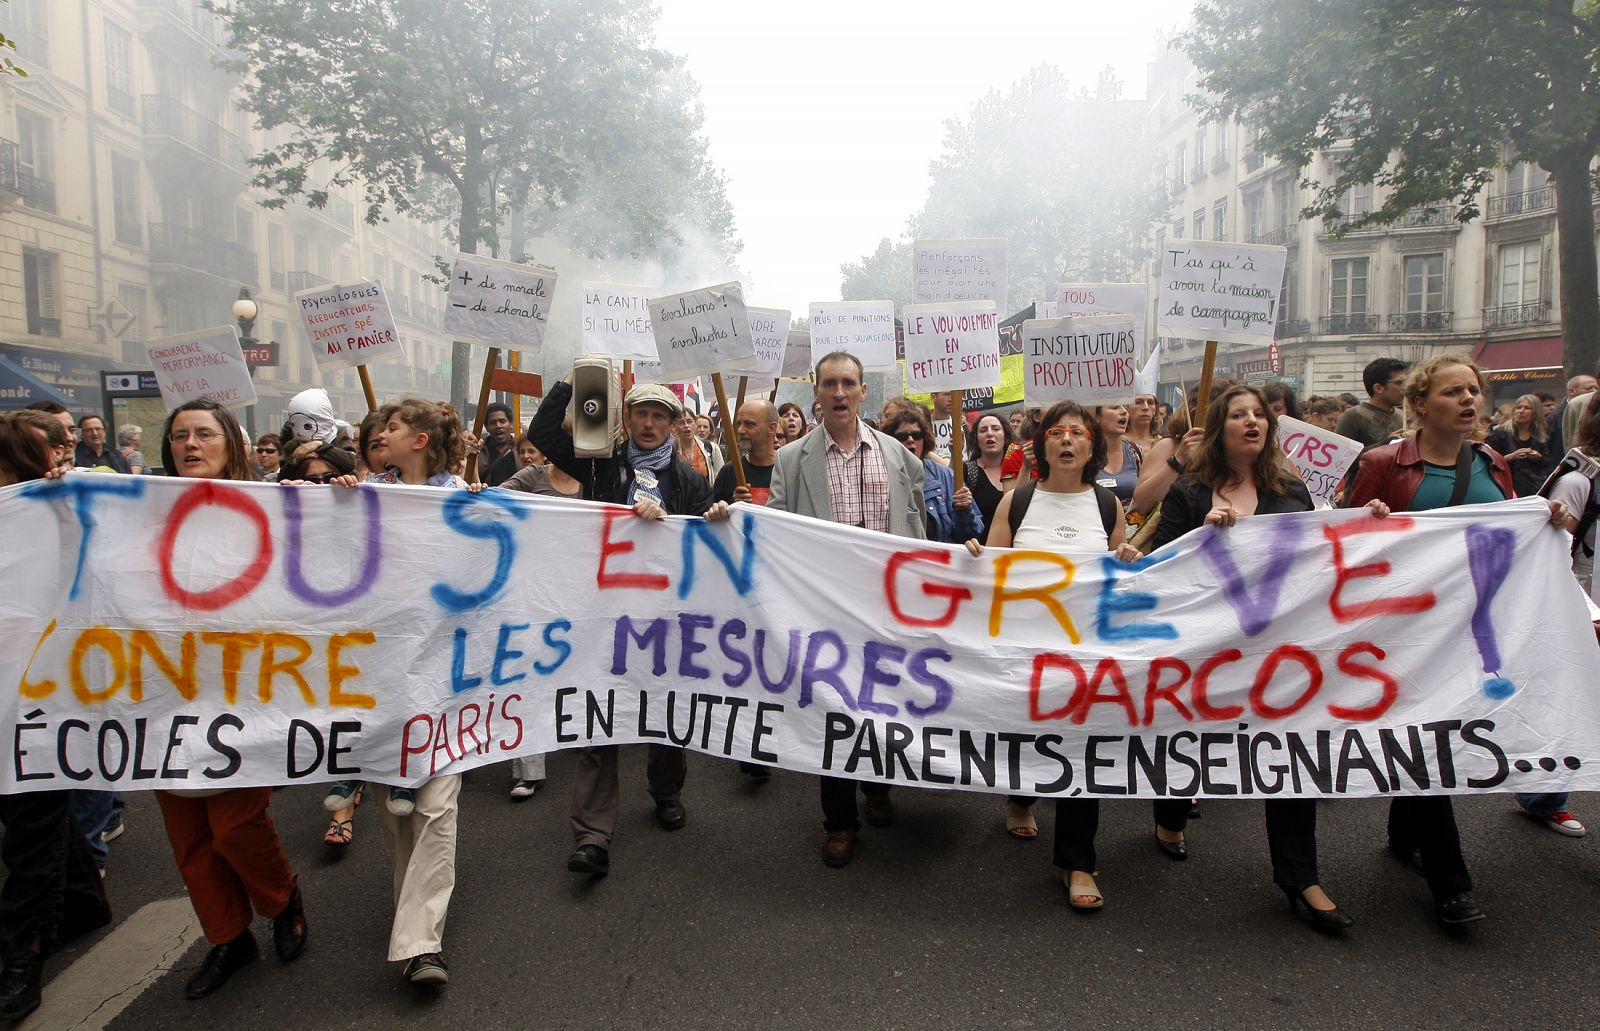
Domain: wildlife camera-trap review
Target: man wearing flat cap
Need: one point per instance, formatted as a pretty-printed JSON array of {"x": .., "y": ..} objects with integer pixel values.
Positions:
[{"x": 644, "y": 473}]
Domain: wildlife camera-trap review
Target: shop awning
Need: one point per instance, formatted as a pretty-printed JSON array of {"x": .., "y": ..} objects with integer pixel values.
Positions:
[
  {"x": 1542, "y": 354},
  {"x": 20, "y": 388}
]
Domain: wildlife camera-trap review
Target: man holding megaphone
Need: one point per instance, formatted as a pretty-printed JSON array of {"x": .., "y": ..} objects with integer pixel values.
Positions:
[{"x": 643, "y": 472}]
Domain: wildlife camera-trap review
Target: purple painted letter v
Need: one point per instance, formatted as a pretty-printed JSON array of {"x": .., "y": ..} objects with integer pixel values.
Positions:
[{"x": 1255, "y": 613}]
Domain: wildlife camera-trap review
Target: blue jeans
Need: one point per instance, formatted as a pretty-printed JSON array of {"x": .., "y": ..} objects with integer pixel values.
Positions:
[
  {"x": 95, "y": 812},
  {"x": 1544, "y": 805}
]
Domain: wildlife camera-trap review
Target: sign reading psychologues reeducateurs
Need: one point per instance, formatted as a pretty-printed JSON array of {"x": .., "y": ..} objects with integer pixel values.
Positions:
[
  {"x": 249, "y": 634},
  {"x": 499, "y": 302},
  {"x": 349, "y": 324}
]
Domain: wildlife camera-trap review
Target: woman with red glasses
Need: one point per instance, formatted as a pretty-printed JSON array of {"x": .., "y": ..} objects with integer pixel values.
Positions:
[{"x": 1065, "y": 510}]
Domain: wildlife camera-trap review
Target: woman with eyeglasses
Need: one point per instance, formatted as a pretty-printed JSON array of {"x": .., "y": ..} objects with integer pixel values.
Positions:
[
  {"x": 952, "y": 517},
  {"x": 225, "y": 843},
  {"x": 1064, "y": 510}
]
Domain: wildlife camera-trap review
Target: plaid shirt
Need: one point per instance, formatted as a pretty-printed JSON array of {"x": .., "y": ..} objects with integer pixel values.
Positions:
[{"x": 858, "y": 482}]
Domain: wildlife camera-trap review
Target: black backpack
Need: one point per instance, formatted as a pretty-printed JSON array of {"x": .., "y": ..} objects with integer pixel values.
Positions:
[
  {"x": 1022, "y": 497},
  {"x": 1576, "y": 461}
]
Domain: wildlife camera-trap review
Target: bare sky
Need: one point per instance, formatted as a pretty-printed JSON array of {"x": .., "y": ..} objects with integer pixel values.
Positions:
[{"x": 824, "y": 114}]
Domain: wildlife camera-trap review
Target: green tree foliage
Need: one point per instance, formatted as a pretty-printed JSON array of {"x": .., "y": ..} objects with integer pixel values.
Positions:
[
  {"x": 562, "y": 111},
  {"x": 1062, "y": 175},
  {"x": 1419, "y": 96}
]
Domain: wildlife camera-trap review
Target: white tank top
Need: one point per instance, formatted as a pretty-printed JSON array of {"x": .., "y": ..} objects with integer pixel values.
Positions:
[{"x": 1062, "y": 522}]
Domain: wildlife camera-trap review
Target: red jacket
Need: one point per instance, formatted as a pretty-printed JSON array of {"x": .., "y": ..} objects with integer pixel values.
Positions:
[{"x": 1393, "y": 472}]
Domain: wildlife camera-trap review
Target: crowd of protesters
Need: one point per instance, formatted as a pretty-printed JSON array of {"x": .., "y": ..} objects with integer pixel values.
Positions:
[{"x": 1125, "y": 479}]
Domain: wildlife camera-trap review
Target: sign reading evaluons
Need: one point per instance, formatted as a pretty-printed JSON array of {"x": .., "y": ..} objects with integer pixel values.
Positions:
[
  {"x": 499, "y": 302},
  {"x": 701, "y": 332},
  {"x": 1219, "y": 291},
  {"x": 348, "y": 324}
]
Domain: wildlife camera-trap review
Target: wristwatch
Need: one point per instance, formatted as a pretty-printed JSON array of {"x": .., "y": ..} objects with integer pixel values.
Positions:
[{"x": 1177, "y": 466}]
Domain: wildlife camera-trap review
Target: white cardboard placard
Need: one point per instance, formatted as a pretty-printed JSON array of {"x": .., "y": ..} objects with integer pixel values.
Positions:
[
  {"x": 206, "y": 363},
  {"x": 769, "y": 329},
  {"x": 959, "y": 270},
  {"x": 797, "y": 355},
  {"x": 1105, "y": 299},
  {"x": 954, "y": 345},
  {"x": 499, "y": 303},
  {"x": 1321, "y": 457},
  {"x": 1220, "y": 291},
  {"x": 701, "y": 332},
  {"x": 1090, "y": 359},
  {"x": 349, "y": 324},
  {"x": 862, "y": 328},
  {"x": 616, "y": 321}
]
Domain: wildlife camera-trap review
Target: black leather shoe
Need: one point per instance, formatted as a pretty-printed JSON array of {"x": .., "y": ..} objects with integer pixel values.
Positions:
[
  {"x": 289, "y": 927},
  {"x": 220, "y": 964},
  {"x": 590, "y": 859},
  {"x": 879, "y": 811},
  {"x": 1459, "y": 909},
  {"x": 1334, "y": 919},
  {"x": 19, "y": 985},
  {"x": 671, "y": 815},
  {"x": 1173, "y": 849}
]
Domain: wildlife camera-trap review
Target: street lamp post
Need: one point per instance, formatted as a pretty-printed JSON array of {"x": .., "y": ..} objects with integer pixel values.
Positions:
[{"x": 245, "y": 310}]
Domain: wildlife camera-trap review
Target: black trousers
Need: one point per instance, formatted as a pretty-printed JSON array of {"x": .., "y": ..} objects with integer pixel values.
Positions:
[
  {"x": 53, "y": 890},
  {"x": 1292, "y": 840},
  {"x": 1078, "y": 820},
  {"x": 1428, "y": 823},
  {"x": 839, "y": 802}
]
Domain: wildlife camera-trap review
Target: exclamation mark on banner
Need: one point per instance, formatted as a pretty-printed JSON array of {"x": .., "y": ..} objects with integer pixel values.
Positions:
[{"x": 1489, "y": 554}]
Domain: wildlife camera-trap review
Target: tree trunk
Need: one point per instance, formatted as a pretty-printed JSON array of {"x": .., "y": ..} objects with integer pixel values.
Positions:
[
  {"x": 467, "y": 228},
  {"x": 1580, "y": 273}
]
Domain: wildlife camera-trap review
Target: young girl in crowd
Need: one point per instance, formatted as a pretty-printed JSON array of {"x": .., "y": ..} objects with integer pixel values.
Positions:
[
  {"x": 226, "y": 846},
  {"x": 418, "y": 444}
]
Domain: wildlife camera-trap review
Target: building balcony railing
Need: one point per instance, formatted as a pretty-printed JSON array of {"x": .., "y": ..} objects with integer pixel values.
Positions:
[
  {"x": 200, "y": 251},
  {"x": 1253, "y": 159},
  {"x": 298, "y": 281},
  {"x": 1288, "y": 328},
  {"x": 187, "y": 17},
  {"x": 35, "y": 191},
  {"x": 165, "y": 116},
  {"x": 1337, "y": 325},
  {"x": 1527, "y": 202},
  {"x": 1501, "y": 316},
  {"x": 1283, "y": 236},
  {"x": 1420, "y": 322},
  {"x": 1439, "y": 216},
  {"x": 1220, "y": 161}
]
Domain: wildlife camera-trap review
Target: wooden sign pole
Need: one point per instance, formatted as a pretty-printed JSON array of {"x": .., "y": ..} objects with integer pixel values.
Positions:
[
  {"x": 627, "y": 376},
  {"x": 1204, "y": 400},
  {"x": 366, "y": 388},
  {"x": 744, "y": 381},
  {"x": 489, "y": 365},
  {"x": 516, "y": 400},
  {"x": 958, "y": 427},
  {"x": 727, "y": 431}
]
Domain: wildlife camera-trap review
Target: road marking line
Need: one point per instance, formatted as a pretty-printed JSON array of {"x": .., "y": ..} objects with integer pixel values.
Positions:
[{"x": 90, "y": 993}]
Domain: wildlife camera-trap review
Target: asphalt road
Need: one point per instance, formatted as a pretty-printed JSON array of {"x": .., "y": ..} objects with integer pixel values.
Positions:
[{"x": 941, "y": 921}]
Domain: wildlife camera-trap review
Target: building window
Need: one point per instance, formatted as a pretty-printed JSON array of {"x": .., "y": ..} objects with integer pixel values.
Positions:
[
  {"x": 1177, "y": 229},
  {"x": 1254, "y": 215},
  {"x": 302, "y": 254},
  {"x": 36, "y": 161},
  {"x": 275, "y": 256},
  {"x": 119, "y": 69},
  {"x": 1424, "y": 283},
  {"x": 27, "y": 24},
  {"x": 1200, "y": 223},
  {"x": 125, "y": 200},
  {"x": 41, "y": 289},
  {"x": 1519, "y": 272},
  {"x": 1180, "y": 175},
  {"x": 1199, "y": 147},
  {"x": 1357, "y": 200},
  {"x": 1349, "y": 290},
  {"x": 1524, "y": 176},
  {"x": 1219, "y": 220},
  {"x": 1284, "y": 203},
  {"x": 244, "y": 228}
]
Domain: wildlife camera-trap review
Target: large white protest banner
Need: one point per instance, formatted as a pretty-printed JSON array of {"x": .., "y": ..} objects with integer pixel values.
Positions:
[
  {"x": 1220, "y": 291},
  {"x": 863, "y": 328},
  {"x": 616, "y": 321},
  {"x": 769, "y": 329},
  {"x": 1105, "y": 299},
  {"x": 207, "y": 363},
  {"x": 797, "y": 355},
  {"x": 954, "y": 345},
  {"x": 349, "y": 324},
  {"x": 701, "y": 332},
  {"x": 959, "y": 270},
  {"x": 244, "y": 633},
  {"x": 1089, "y": 359},
  {"x": 1322, "y": 457},
  {"x": 499, "y": 303}
]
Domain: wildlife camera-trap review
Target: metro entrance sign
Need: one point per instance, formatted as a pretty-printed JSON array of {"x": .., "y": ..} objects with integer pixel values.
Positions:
[{"x": 259, "y": 354}]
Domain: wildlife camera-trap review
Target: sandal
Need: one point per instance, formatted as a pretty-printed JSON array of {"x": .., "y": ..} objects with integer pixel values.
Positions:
[
  {"x": 1020, "y": 823},
  {"x": 1080, "y": 886},
  {"x": 339, "y": 833}
]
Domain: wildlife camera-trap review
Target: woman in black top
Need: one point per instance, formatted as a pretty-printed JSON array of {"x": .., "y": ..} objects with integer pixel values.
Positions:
[
  {"x": 986, "y": 453},
  {"x": 1524, "y": 442},
  {"x": 1239, "y": 471}
]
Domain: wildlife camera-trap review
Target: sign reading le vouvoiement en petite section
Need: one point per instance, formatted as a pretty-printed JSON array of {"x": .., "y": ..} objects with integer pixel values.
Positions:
[{"x": 172, "y": 633}]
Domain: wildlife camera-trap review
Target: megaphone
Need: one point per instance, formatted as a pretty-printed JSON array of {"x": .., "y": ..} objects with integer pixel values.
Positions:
[{"x": 596, "y": 407}]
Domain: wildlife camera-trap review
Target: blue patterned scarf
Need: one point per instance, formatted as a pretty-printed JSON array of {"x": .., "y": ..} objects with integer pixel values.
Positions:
[{"x": 647, "y": 466}]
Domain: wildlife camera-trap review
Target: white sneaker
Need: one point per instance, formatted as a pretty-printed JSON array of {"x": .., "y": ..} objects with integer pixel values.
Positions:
[
  {"x": 113, "y": 832},
  {"x": 524, "y": 789},
  {"x": 402, "y": 801}
]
